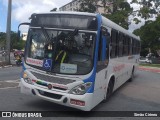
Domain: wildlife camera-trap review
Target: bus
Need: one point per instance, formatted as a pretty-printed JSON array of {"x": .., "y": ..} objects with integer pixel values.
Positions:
[{"x": 77, "y": 59}]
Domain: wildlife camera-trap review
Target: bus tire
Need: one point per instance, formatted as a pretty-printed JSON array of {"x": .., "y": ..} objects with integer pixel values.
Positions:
[
  {"x": 132, "y": 76},
  {"x": 109, "y": 90}
]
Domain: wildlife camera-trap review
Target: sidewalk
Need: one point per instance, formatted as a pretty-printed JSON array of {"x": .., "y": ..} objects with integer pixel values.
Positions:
[
  {"x": 151, "y": 69},
  {"x": 4, "y": 65}
]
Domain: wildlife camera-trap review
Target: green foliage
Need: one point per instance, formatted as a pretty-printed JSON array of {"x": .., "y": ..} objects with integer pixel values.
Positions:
[
  {"x": 88, "y": 6},
  {"x": 144, "y": 12},
  {"x": 53, "y": 10},
  {"x": 119, "y": 17},
  {"x": 2, "y": 39},
  {"x": 150, "y": 35},
  {"x": 15, "y": 44},
  {"x": 148, "y": 8},
  {"x": 119, "y": 14},
  {"x": 136, "y": 20}
]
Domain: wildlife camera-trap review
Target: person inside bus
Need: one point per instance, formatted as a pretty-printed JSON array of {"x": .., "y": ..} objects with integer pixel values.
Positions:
[{"x": 62, "y": 55}]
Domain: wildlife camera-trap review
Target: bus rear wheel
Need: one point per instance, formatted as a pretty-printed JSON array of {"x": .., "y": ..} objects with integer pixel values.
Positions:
[{"x": 109, "y": 90}]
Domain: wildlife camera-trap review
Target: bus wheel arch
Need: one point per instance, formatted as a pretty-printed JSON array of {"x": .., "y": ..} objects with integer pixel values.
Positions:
[
  {"x": 132, "y": 74},
  {"x": 110, "y": 88}
]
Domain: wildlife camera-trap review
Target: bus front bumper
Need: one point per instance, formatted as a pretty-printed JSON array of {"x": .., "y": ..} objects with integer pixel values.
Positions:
[{"x": 82, "y": 102}]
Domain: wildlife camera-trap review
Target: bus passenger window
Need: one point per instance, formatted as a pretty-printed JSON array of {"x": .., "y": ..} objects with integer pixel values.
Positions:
[
  {"x": 130, "y": 46},
  {"x": 114, "y": 35},
  {"x": 125, "y": 45},
  {"x": 120, "y": 45}
]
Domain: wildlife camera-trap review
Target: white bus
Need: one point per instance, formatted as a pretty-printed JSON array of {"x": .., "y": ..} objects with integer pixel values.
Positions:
[{"x": 77, "y": 59}]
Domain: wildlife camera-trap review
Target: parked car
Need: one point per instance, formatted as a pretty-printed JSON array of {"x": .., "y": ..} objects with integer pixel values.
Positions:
[{"x": 150, "y": 58}]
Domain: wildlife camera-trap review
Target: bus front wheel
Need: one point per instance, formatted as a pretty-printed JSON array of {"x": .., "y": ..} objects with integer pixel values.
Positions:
[{"x": 109, "y": 90}]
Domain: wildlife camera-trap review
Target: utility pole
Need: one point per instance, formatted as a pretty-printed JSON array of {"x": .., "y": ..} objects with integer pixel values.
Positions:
[{"x": 8, "y": 31}]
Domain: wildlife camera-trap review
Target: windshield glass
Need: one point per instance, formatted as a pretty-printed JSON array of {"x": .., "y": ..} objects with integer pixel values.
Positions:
[{"x": 69, "y": 52}]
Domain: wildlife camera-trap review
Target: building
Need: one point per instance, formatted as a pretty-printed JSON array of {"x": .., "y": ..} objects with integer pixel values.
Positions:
[
  {"x": 24, "y": 36},
  {"x": 74, "y": 5}
]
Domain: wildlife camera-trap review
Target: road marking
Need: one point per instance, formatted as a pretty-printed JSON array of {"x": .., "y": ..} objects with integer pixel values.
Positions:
[
  {"x": 8, "y": 82},
  {"x": 7, "y": 66},
  {"x": 8, "y": 88},
  {"x": 13, "y": 81}
]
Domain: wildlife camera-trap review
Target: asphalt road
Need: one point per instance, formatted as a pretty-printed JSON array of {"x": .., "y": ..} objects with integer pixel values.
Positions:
[
  {"x": 140, "y": 95},
  {"x": 11, "y": 73}
]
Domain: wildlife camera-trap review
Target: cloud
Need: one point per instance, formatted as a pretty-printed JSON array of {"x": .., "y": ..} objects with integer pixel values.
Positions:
[{"x": 23, "y": 9}]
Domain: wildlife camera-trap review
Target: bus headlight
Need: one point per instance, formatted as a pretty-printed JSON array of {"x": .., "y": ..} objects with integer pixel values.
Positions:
[
  {"x": 81, "y": 89},
  {"x": 26, "y": 78}
]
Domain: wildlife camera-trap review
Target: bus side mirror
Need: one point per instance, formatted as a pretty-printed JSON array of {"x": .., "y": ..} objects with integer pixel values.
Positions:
[
  {"x": 103, "y": 31},
  {"x": 106, "y": 34},
  {"x": 18, "y": 35}
]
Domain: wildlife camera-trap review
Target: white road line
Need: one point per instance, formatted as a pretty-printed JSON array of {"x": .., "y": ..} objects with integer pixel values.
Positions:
[
  {"x": 13, "y": 81},
  {"x": 7, "y": 66},
  {"x": 8, "y": 88}
]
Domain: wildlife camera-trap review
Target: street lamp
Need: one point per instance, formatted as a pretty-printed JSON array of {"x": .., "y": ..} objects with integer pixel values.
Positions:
[{"x": 8, "y": 31}]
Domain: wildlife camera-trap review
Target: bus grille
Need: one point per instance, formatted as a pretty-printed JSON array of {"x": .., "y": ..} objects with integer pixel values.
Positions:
[
  {"x": 52, "y": 79},
  {"x": 50, "y": 95}
]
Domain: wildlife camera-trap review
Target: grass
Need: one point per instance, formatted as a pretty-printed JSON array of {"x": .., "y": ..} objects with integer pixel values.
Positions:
[{"x": 150, "y": 65}]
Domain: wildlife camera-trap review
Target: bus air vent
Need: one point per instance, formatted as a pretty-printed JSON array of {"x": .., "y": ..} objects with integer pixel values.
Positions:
[{"x": 52, "y": 79}]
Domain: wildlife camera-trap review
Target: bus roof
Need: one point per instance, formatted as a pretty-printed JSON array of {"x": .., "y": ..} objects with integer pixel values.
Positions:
[
  {"x": 70, "y": 12},
  {"x": 105, "y": 21},
  {"x": 110, "y": 24}
]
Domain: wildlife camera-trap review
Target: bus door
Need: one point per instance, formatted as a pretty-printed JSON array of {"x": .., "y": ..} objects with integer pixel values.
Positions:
[{"x": 102, "y": 63}]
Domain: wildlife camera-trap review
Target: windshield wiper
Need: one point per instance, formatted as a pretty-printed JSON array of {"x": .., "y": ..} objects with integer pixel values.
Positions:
[
  {"x": 72, "y": 34},
  {"x": 46, "y": 35}
]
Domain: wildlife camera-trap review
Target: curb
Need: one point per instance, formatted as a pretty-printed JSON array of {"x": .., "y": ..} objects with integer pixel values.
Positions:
[
  {"x": 156, "y": 68},
  {"x": 149, "y": 69},
  {"x": 7, "y": 66}
]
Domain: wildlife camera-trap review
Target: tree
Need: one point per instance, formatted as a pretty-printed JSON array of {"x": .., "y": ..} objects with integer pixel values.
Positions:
[
  {"x": 119, "y": 14},
  {"x": 150, "y": 36},
  {"x": 15, "y": 44},
  {"x": 148, "y": 9},
  {"x": 54, "y": 9},
  {"x": 2, "y": 40},
  {"x": 88, "y": 6}
]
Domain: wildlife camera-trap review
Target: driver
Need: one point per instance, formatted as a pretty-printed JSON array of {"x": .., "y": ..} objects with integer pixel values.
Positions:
[{"x": 62, "y": 56}]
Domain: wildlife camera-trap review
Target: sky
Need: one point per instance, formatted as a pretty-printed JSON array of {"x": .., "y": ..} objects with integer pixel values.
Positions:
[{"x": 22, "y": 10}]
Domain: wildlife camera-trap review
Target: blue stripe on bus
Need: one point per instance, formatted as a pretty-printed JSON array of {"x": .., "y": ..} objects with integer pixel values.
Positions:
[
  {"x": 92, "y": 77},
  {"x": 23, "y": 67}
]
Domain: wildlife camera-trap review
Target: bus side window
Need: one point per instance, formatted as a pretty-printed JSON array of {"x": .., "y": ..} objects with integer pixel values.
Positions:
[
  {"x": 120, "y": 45},
  {"x": 125, "y": 45},
  {"x": 130, "y": 46},
  {"x": 100, "y": 49},
  {"x": 114, "y": 35},
  {"x": 133, "y": 46}
]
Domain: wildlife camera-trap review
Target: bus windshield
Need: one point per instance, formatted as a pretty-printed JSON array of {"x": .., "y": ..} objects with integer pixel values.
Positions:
[{"x": 71, "y": 52}]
